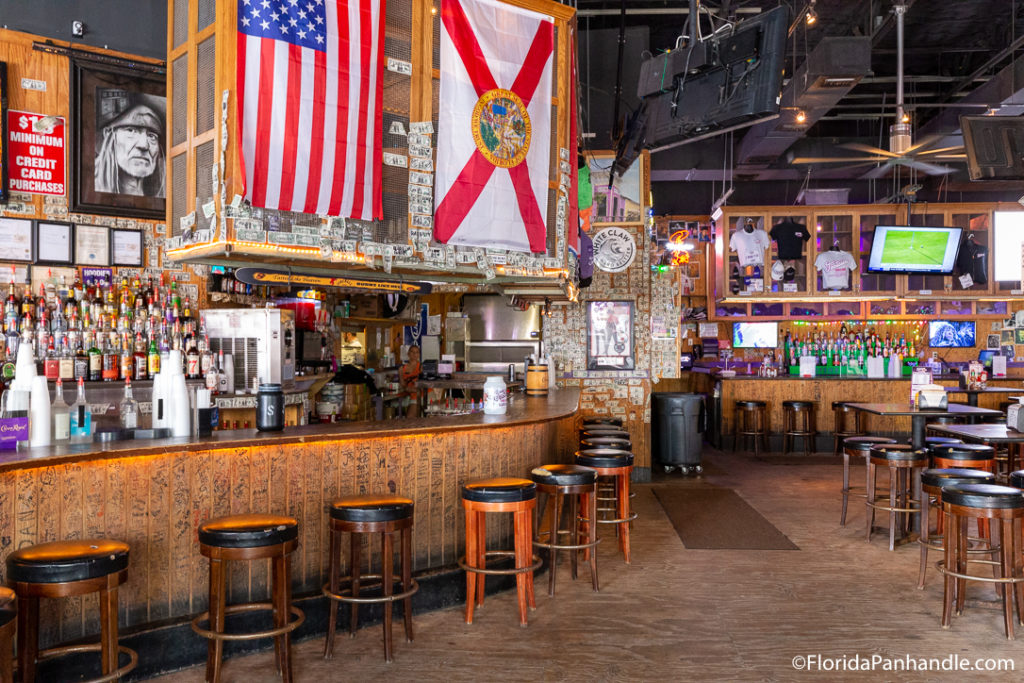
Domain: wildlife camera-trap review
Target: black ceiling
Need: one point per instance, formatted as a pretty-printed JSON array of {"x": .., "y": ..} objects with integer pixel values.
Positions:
[{"x": 959, "y": 57}]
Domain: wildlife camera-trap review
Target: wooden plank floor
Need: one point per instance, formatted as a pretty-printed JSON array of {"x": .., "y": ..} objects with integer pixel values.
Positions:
[{"x": 679, "y": 614}]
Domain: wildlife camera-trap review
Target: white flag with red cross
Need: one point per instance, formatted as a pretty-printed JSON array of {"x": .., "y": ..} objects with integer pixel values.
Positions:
[{"x": 494, "y": 126}]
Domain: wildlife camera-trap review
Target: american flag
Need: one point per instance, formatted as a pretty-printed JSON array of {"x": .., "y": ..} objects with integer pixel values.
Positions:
[{"x": 309, "y": 105}]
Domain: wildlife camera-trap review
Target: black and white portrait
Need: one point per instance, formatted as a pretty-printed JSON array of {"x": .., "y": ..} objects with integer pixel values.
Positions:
[{"x": 129, "y": 143}]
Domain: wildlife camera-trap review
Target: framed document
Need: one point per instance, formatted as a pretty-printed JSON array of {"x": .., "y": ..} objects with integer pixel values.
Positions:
[
  {"x": 610, "y": 335},
  {"x": 16, "y": 239},
  {"x": 126, "y": 248},
  {"x": 92, "y": 245},
  {"x": 54, "y": 243}
]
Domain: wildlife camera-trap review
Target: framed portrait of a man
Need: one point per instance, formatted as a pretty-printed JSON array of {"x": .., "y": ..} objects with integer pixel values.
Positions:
[
  {"x": 118, "y": 139},
  {"x": 610, "y": 335}
]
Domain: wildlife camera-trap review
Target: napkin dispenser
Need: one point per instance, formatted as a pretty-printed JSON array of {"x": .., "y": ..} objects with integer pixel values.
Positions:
[
  {"x": 932, "y": 397},
  {"x": 1015, "y": 417}
]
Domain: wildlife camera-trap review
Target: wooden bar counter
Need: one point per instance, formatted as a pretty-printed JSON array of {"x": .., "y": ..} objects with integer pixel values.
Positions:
[{"x": 154, "y": 494}]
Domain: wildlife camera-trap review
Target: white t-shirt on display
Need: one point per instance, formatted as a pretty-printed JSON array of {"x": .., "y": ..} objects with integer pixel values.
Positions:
[
  {"x": 749, "y": 246},
  {"x": 835, "y": 267}
]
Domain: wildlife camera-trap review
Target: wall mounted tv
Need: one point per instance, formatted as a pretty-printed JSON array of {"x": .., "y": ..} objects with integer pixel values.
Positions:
[
  {"x": 914, "y": 249},
  {"x": 951, "y": 334},
  {"x": 755, "y": 335}
]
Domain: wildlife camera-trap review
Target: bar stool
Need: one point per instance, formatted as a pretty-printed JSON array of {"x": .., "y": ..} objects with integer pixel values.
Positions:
[
  {"x": 942, "y": 420},
  {"x": 751, "y": 418},
  {"x": 616, "y": 465},
  {"x": 8, "y": 616},
  {"x": 579, "y": 484},
  {"x": 357, "y": 515},
  {"x": 607, "y": 432},
  {"x": 974, "y": 456},
  {"x": 1017, "y": 479},
  {"x": 841, "y": 431},
  {"x": 60, "y": 569},
  {"x": 518, "y": 496},
  {"x": 598, "y": 421},
  {"x": 857, "y": 446},
  {"x": 1004, "y": 506},
  {"x": 932, "y": 482},
  {"x": 249, "y": 537},
  {"x": 938, "y": 440},
  {"x": 905, "y": 465},
  {"x": 807, "y": 430},
  {"x": 606, "y": 442}
]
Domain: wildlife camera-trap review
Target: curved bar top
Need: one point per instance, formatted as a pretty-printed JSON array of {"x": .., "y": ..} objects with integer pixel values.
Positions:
[{"x": 522, "y": 410}]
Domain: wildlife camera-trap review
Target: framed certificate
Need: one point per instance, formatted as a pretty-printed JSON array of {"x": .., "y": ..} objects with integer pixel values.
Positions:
[
  {"x": 126, "y": 248},
  {"x": 54, "y": 243},
  {"x": 16, "y": 240},
  {"x": 92, "y": 245}
]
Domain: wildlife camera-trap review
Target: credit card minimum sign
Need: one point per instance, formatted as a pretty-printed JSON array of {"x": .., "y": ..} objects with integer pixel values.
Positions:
[{"x": 35, "y": 153}]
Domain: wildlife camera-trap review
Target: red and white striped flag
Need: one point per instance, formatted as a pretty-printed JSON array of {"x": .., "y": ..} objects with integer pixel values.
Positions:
[{"x": 309, "y": 105}]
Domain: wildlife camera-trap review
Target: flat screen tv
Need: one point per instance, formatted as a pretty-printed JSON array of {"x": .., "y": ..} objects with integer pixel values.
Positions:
[
  {"x": 945, "y": 334},
  {"x": 755, "y": 335},
  {"x": 914, "y": 250}
]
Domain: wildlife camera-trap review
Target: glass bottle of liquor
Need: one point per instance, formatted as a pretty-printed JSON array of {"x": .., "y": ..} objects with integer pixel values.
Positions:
[
  {"x": 205, "y": 355},
  {"x": 212, "y": 375},
  {"x": 81, "y": 417},
  {"x": 67, "y": 361},
  {"x": 153, "y": 358},
  {"x": 60, "y": 416},
  {"x": 111, "y": 359},
  {"x": 129, "y": 407},
  {"x": 95, "y": 359},
  {"x": 51, "y": 363},
  {"x": 192, "y": 361},
  {"x": 139, "y": 359},
  {"x": 127, "y": 357},
  {"x": 81, "y": 362}
]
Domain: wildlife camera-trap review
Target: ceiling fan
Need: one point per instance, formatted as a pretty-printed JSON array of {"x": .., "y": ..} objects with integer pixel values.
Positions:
[{"x": 902, "y": 150}]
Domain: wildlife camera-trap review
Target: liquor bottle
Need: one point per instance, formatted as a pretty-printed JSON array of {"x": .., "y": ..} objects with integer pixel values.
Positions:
[
  {"x": 81, "y": 417},
  {"x": 205, "y": 355},
  {"x": 139, "y": 359},
  {"x": 192, "y": 361},
  {"x": 60, "y": 416},
  {"x": 111, "y": 360},
  {"x": 153, "y": 358},
  {"x": 127, "y": 368},
  {"x": 51, "y": 363},
  {"x": 129, "y": 407},
  {"x": 66, "y": 362},
  {"x": 95, "y": 360},
  {"x": 81, "y": 361},
  {"x": 212, "y": 375}
]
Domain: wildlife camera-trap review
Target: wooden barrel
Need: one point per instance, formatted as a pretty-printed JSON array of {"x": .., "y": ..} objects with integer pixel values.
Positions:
[{"x": 536, "y": 380}]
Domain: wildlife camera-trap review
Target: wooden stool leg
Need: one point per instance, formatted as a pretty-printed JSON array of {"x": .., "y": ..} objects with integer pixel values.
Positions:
[
  {"x": 522, "y": 558},
  {"x": 215, "y": 648},
  {"x": 869, "y": 485},
  {"x": 108, "y": 626},
  {"x": 961, "y": 564},
  {"x": 275, "y": 603},
  {"x": 1006, "y": 556},
  {"x": 554, "y": 525},
  {"x": 894, "y": 484},
  {"x": 471, "y": 559},
  {"x": 7, "y": 656},
  {"x": 622, "y": 507},
  {"x": 591, "y": 505},
  {"x": 28, "y": 637},
  {"x": 531, "y": 599},
  {"x": 386, "y": 572},
  {"x": 334, "y": 570},
  {"x": 1018, "y": 569},
  {"x": 407, "y": 580},
  {"x": 285, "y": 578},
  {"x": 574, "y": 536},
  {"x": 948, "y": 583},
  {"x": 846, "y": 486},
  {"x": 481, "y": 555},
  {"x": 356, "y": 561},
  {"x": 923, "y": 504}
]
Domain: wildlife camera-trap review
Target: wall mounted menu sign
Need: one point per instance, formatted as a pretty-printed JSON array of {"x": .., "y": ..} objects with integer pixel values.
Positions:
[{"x": 263, "y": 276}]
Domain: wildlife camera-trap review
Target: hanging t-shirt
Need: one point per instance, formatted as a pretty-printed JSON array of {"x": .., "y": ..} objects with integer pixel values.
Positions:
[
  {"x": 973, "y": 260},
  {"x": 835, "y": 267},
  {"x": 749, "y": 246},
  {"x": 790, "y": 237}
]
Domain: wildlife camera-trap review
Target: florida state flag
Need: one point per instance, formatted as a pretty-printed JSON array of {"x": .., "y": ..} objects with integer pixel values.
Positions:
[{"x": 494, "y": 127}]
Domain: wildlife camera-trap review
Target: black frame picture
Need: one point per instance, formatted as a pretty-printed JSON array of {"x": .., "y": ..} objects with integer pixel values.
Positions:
[
  {"x": 610, "y": 329},
  {"x": 25, "y": 225},
  {"x": 39, "y": 239},
  {"x": 81, "y": 253},
  {"x": 118, "y": 139},
  {"x": 3, "y": 133},
  {"x": 136, "y": 235}
]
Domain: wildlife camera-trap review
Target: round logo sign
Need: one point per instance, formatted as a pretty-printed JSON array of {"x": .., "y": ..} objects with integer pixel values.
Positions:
[
  {"x": 614, "y": 250},
  {"x": 501, "y": 128}
]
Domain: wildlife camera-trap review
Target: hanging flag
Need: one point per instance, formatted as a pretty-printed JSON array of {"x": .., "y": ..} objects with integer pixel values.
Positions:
[
  {"x": 494, "y": 126},
  {"x": 309, "y": 105}
]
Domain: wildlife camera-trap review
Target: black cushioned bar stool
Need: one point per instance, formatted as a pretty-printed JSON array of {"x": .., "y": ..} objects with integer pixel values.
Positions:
[
  {"x": 606, "y": 442},
  {"x": 605, "y": 432},
  {"x": 8, "y": 616},
  {"x": 1016, "y": 479},
  {"x": 579, "y": 485},
  {"x": 1004, "y": 507},
  {"x": 806, "y": 430},
  {"x": 938, "y": 440},
  {"x": 518, "y": 496},
  {"x": 905, "y": 465},
  {"x": 973, "y": 456},
  {"x": 617, "y": 466},
  {"x": 842, "y": 430},
  {"x": 856, "y": 446},
  {"x": 370, "y": 514},
  {"x": 751, "y": 420},
  {"x": 932, "y": 482},
  {"x": 249, "y": 537},
  {"x": 61, "y": 569},
  {"x": 599, "y": 421}
]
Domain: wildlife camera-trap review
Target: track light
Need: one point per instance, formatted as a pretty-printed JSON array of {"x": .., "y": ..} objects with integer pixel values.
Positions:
[
  {"x": 811, "y": 17},
  {"x": 905, "y": 118},
  {"x": 801, "y": 117}
]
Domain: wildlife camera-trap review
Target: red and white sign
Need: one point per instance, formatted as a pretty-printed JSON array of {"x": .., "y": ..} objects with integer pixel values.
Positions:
[{"x": 35, "y": 152}]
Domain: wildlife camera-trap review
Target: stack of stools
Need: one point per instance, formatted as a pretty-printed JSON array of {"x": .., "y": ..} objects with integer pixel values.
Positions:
[
  {"x": 614, "y": 466},
  {"x": 370, "y": 514},
  {"x": 857, "y": 446},
  {"x": 62, "y": 569},
  {"x": 905, "y": 465},
  {"x": 8, "y": 614},
  {"x": 842, "y": 431},
  {"x": 518, "y": 496},
  {"x": 620, "y": 442},
  {"x": 602, "y": 422},
  {"x": 249, "y": 537},
  {"x": 578, "y": 486},
  {"x": 806, "y": 430},
  {"x": 932, "y": 482},
  {"x": 751, "y": 420},
  {"x": 1003, "y": 506}
]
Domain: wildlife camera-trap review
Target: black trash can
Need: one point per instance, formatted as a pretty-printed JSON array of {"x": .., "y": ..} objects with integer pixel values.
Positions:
[{"x": 677, "y": 430}]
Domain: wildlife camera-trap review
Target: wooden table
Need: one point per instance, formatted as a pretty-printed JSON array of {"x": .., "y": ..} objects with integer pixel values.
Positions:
[
  {"x": 918, "y": 418},
  {"x": 972, "y": 394},
  {"x": 989, "y": 435}
]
